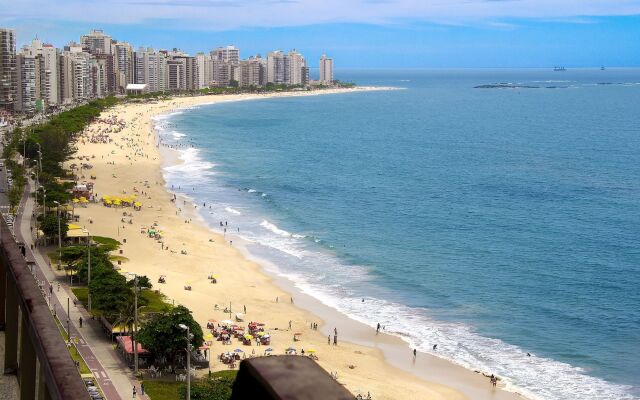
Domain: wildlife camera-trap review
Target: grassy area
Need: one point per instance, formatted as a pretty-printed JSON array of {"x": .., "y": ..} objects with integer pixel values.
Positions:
[
  {"x": 82, "y": 294},
  {"x": 54, "y": 256},
  {"x": 84, "y": 369},
  {"x": 107, "y": 242},
  {"x": 219, "y": 388},
  {"x": 156, "y": 301},
  {"x": 160, "y": 390}
]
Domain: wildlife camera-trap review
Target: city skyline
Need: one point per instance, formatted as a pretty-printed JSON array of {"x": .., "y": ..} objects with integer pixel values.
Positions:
[
  {"x": 39, "y": 77},
  {"x": 362, "y": 34}
]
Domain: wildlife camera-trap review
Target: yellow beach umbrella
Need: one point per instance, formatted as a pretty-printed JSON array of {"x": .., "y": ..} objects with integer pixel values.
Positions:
[
  {"x": 260, "y": 334},
  {"x": 311, "y": 351},
  {"x": 208, "y": 336},
  {"x": 83, "y": 200},
  {"x": 107, "y": 202},
  {"x": 106, "y": 198},
  {"x": 247, "y": 336},
  {"x": 75, "y": 200},
  {"x": 137, "y": 204},
  {"x": 117, "y": 202}
]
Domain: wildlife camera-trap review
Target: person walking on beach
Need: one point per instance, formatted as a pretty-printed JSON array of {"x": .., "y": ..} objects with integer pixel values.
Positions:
[
  {"x": 142, "y": 388},
  {"x": 415, "y": 353},
  {"x": 80, "y": 321},
  {"x": 289, "y": 324},
  {"x": 335, "y": 340},
  {"x": 245, "y": 309},
  {"x": 378, "y": 328},
  {"x": 329, "y": 339},
  {"x": 134, "y": 392}
]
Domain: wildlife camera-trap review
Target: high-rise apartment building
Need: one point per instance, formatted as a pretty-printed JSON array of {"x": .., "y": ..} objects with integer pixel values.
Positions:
[
  {"x": 27, "y": 71},
  {"x": 276, "y": 66},
  {"x": 8, "y": 73},
  {"x": 150, "y": 68},
  {"x": 228, "y": 54},
  {"x": 298, "y": 73},
  {"x": 326, "y": 70},
  {"x": 124, "y": 65},
  {"x": 204, "y": 70},
  {"x": 47, "y": 72},
  {"x": 252, "y": 72},
  {"x": 96, "y": 42}
]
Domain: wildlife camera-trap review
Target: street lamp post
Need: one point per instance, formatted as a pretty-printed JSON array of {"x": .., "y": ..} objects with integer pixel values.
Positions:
[
  {"x": 59, "y": 237},
  {"x": 89, "y": 270},
  {"x": 36, "y": 207},
  {"x": 39, "y": 156},
  {"x": 135, "y": 322},
  {"x": 185, "y": 327}
]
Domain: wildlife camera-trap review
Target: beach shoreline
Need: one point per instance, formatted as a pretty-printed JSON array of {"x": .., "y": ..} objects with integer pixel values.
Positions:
[{"x": 378, "y": 360}]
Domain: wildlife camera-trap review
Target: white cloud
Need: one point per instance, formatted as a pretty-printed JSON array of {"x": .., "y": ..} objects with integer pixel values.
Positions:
[{"x": 230, "y": 14}]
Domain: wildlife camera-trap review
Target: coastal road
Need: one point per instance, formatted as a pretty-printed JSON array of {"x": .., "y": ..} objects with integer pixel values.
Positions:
[{"x": 111, "y": 374}]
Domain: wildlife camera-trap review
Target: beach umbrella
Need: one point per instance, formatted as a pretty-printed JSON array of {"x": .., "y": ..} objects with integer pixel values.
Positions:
[
  {"x": 261, "y": 334},
  {"x": 212, "y": 321},
  {"x": 83, "y": 200},
  {"x": 226, "y": 322},
  {"x": 291, "y": 349},
  {"x": 137, "y": 204},
  {"x": 269, "y": 349},
  {"x": 107, "y": 202},
  {"x": 238, "y": 351},
  {"x": 311, "y": 351},
  {"x": 208, "y": 337},
  {"x": 248, "y": 336},
  {"x": 75, "y": 200}
]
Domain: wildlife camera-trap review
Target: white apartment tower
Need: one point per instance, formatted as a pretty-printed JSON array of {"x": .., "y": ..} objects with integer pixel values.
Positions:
[
  {"x": 326, "y": 70},
  {"x": 8, "y": 73},
  {"x": 276, "y": 65},
  {"x": 228, "y": 54},
  {"x": 124, "y": 65},
  {"x": 204, "y": 70},
  {"x": 297, "y": 69},
  {"x": 48, "y": 72},
  {"x": 27, "y": 71}
]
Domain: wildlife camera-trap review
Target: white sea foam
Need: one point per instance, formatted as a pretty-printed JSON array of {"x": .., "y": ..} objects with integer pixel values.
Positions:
[
  {"x": 535, "y": 377},
  {"x": 273, "y": 228},
  {"x": 251, "y": 191},
  {"x": 232, "y": 211},
  {"x": 177, "y": 135}
]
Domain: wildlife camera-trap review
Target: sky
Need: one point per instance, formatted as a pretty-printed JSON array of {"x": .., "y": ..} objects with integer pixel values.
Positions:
[{"x": 356, "y": 33}]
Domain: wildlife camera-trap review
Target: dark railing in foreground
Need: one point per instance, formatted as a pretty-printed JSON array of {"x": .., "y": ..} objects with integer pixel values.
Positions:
[
  {"x": 27, "y": 321},
  {"x": 286, "y": 377}
]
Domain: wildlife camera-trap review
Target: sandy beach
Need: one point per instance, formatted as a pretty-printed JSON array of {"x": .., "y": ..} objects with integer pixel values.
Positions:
[{"x": 363, "y": 360}]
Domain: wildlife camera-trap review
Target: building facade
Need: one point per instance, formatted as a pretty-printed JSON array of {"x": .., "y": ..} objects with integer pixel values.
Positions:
[
  {"x": 326, "y": 70},
  {"x": 8, "y": 72}
]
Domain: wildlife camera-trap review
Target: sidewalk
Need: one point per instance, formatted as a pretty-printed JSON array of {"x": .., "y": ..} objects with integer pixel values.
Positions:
[{"x": 114, "y": 378}]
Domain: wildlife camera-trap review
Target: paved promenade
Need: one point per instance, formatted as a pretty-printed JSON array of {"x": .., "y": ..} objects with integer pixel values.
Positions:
[{"x": 114, "y": 378}]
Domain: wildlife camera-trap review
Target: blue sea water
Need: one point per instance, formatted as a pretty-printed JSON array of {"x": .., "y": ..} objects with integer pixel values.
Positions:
[{"x": 493, "y": 222}]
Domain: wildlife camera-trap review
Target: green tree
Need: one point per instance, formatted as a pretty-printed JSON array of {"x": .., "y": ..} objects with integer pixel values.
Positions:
[
  {"x": 49, "y": 225},
  {"x": 218, "y": 388},
  {"x": 162, "y": 335},
  {"x": 110, "y": 293}
]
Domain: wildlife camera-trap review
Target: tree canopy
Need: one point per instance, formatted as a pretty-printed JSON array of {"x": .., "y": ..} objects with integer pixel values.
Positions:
[{"x": 162, "y": 335}]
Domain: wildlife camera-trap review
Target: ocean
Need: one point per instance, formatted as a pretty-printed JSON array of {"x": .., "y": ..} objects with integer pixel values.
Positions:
[{"x": 494, "y": 222}]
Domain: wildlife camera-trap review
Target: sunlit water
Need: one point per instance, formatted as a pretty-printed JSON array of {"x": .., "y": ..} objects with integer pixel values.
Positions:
[{"x": 492, "y": 222}]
